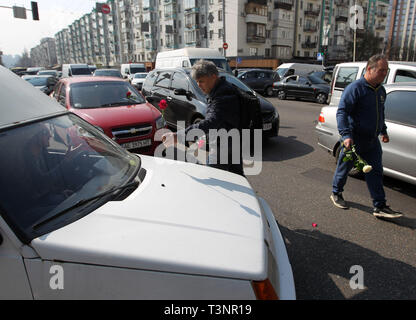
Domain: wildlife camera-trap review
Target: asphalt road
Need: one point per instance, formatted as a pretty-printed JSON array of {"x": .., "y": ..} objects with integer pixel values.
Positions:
[{"x": 329, "y": 247}]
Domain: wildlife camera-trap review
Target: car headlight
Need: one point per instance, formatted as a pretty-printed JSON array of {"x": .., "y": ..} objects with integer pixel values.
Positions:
[{"x": 160, "y": 123}]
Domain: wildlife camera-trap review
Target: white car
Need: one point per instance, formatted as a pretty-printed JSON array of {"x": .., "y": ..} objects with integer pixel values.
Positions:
[
  {"x": 138, "y": 79},
  {"x": 82, "y": 218}
]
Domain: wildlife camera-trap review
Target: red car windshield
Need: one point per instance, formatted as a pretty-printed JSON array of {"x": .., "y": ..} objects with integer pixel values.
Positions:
[{"x": 102, "y": 94}]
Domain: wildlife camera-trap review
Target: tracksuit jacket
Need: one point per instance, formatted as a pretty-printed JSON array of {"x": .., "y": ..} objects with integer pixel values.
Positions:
[{"x": 361, "y": 111}]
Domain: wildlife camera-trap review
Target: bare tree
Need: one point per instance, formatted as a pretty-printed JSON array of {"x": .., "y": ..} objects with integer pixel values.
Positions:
[{"x": 25, "y": 60}]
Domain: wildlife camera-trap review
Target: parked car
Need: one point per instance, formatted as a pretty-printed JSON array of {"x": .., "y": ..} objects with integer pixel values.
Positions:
[
  {"x": 290, "y": 69},
  {"x": 302, "y": 87},
  {"x": 114, "y": 106},
  {"x": 345, "y": 73},
  {"x": 33, "y": 70},
  {"x": 48, "y": 73},
  {"x": 104, "y": 223},
  {"x": 399, "y": 154},
  {"x": 259, "y": 80},
  {"x": 128, "y": 69},
  {"x": 138, "y": 79},
  {"x": 44, "y": 83},
  {"x": 325, "y": 75},
  {"x": 107, "y": 73},
  {"x": 186, "y": 101}
]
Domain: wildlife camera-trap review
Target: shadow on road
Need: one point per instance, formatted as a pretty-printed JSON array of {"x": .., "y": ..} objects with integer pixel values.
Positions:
[
  {"x": 321, "y": 268},
  {"x": 284, "y": 148}
]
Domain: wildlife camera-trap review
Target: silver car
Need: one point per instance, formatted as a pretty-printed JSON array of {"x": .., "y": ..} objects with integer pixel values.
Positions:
[{"x": 399, "y": 155}]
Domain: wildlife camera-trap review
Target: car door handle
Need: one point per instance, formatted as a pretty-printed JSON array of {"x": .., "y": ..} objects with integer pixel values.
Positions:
[{"x": 169, "y": 98}]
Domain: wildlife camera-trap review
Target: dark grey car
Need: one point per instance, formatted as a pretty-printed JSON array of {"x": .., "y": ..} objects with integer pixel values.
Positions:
[
  {"x": 260, "y": 80},
  {"x": 399, "y": 155},
  {"x": 186, "y": 102},
  {"x": 302, "y": 87}
]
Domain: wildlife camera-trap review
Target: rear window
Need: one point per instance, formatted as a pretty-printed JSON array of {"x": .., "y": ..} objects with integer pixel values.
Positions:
[
  {"x": 80, "y": 71},
  {"x": 345, "y": 76},
  {"x": 103, "y": 94},
  {"x": 405, "y": 76},
  {"x": 400, "y": 107},
  {"x": 163, "y": 80}
]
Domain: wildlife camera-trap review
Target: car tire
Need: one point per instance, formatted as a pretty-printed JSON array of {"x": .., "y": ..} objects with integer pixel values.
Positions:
[
  {"x": 269, "y": 91},
  {"x": 354, "y": 172},
  {"x": 281, "y": 94},
  {"x": 321, "y": 98}
]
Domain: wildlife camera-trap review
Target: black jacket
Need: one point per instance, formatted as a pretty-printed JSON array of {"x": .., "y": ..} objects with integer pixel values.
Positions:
[{"x": 223, "y": 110}]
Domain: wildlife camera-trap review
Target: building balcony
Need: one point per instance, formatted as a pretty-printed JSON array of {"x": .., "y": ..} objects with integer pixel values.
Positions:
[
  {"x": 339, "y": 33},
  {"x": 312, "y": 12},
  {"x": 191, "y": 10},
  {"x": 284, "y": 4},
  {"x": 254, "y": 18},
  {"x": 309, "y": 45},
  {"x": 342, "y": 16},
  {"x": 256, "y": 39},
  {"x": 310, "y": 28},
  {"x": 342, "y": 3}
]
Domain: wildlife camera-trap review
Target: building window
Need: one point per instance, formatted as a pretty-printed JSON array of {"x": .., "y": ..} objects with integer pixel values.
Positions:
[
  {"x": 254, "y": 51},
  {"x": 219, "y": 15}
]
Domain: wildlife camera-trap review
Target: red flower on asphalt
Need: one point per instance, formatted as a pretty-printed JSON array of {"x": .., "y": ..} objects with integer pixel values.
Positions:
[{"x": 163, "y": 104}]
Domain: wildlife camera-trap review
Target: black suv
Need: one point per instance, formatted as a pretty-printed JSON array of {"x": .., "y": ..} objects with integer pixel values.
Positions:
[
  {"x": 259, "y": 79},
  {"x": 186, "y": 102}
]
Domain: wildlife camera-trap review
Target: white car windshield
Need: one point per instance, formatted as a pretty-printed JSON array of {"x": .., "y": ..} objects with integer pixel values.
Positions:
[{"x": 60, "y": 166}]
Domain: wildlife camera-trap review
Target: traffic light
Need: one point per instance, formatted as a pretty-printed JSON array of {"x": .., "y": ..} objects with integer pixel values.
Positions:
[{"x": 35, "y": 13}]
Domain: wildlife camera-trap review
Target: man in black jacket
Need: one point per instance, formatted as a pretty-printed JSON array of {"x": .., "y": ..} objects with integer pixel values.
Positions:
[{"x": 222, "y": 115}]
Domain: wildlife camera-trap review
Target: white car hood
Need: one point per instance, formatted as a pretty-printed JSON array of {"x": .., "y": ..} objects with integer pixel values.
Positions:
[{"x": 183, "y": 218}]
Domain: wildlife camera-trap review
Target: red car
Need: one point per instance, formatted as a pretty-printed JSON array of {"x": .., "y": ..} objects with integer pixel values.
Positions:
[{"x": 114, "y": 106}]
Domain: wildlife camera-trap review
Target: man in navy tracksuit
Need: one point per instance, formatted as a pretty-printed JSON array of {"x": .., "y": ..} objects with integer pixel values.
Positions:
[{"x": 360, "y": 119}]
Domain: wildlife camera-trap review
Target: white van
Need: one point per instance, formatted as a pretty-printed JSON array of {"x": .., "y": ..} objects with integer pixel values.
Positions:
[
  {"x": 288, "y": 69},
  {"x": 188, "y": 56},
  {"x": 347, "y": 72},
  {"x": 129, "y": 69},
  {"x": 78, "y": 69}
]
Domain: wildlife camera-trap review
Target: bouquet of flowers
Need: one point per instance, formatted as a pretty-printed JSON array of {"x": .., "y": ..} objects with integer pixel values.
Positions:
[{"x": 359, "y": 163}]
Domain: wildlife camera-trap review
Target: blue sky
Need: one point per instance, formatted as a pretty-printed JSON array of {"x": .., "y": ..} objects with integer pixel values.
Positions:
[{"x": 18, "y": 34}]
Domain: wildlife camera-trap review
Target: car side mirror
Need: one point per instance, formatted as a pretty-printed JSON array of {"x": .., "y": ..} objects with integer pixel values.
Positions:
[
  {"x": 180, "y": 92},
  {"x": 150, "y": 99}
]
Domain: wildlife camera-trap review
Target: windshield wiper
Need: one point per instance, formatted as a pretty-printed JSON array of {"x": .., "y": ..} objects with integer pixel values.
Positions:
[
  {"x": 113, "y": 104},
  {"x": 82, "y": 202}
]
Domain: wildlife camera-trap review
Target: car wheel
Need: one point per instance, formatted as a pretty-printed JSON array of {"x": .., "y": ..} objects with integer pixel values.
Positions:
[
  {"x": 269, "y": 91},
  {"x": 281, "y": 94},
  {"x": 354, "y": 172},
  {"x": 321, "y": 98}
]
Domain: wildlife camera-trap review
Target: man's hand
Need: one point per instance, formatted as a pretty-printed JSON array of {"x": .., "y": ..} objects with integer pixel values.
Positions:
[
  {"x": 169, "y": 139},
  {"x": 385, "y": 138},
  {"x": 348, "y": 143}
]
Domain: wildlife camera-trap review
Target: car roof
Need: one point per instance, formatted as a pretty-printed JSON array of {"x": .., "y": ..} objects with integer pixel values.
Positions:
[
  {"x": 28, "y": 76},
  {"x": 400, "y": 85},
  {"x": 80, "y": 79},
  {"x": 108, "y": 70},
  {"x": 364, "y": 63},
  {"x": 22, "y": 102}
]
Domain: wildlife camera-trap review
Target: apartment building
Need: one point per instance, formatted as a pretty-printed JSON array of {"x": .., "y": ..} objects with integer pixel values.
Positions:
[
  {"x": 44, "y": 54},
  {"x": 401, "y": 30},
  {"x": 135, "y": 30}
]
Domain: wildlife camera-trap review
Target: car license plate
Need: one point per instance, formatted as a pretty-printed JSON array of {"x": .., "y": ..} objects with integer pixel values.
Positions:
[
  {"x": 267, "y": 126},
  {"x": 137, "y": 144}
]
